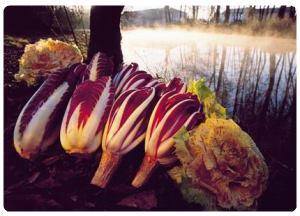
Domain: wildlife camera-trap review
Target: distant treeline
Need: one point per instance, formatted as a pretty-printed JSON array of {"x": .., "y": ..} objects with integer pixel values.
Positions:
[
  {"x": 214, "y": 14},
  {"x": 33, "y": 20},
  {"x": 252, "y": 12}
]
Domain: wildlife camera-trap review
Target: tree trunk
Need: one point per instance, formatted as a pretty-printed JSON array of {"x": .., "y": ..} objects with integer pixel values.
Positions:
[
  {"x": 260, "y": 13},
  {"x": 194, "y": 13},
  {"x": 272, "y": 11},
  {"x": 237, "y": 14},
  {"x": 281, "y": 12},
  {"x": 227, "y": 14},
  {"x": 105, "y": 33},
  {"x": 292, "y": 13},
  {"x": 267, "y": 12},
  {"x": 217, "y": 15},
  {"x": 180, "y": 12}
]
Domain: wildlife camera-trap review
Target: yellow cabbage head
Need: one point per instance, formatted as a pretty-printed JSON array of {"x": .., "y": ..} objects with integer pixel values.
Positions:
[
  {"x": 220, "y": 159},
  {"x": 46, "y": 56}
]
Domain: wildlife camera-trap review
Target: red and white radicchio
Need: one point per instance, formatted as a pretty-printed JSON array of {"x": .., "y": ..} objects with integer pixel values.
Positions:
[
  {"x": 124, "y": 130},
  {"x": 86, "y": 115},
  {"x": 38, "y": 124},
  {"x": 173, "y": 111},
  {"x": 131, "y": 78},
  {"x": 100, "y": 65}
]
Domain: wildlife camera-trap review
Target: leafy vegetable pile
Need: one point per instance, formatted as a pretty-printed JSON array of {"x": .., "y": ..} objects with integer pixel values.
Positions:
[
  {"x": 86, "y": 108},
  {"x": 44, "y": 57},
  {"x": 220, "y": 163}
]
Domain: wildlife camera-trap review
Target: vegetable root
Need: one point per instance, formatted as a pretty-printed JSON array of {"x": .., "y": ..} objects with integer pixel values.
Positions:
[
  {"x": 147, "y": 167},
  {"x": 108, "y": 164}
]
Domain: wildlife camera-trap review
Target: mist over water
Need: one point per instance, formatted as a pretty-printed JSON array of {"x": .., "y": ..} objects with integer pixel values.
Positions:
[
  {"x": 226, "y": 61},
  {"x": 253, "y": 77}
]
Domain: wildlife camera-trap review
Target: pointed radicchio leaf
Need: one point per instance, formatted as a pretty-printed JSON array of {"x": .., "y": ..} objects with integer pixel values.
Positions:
[
  {"x": 177, "y": 85},
  {"x": 136, "y": 80},
  {"x": 139, "y": 80},
  {"x": 127, "y": 120},
  {"x": 80, "y": 70},
  {"x": 100, "y": 65},
  {"x": 126, "y": 70}
]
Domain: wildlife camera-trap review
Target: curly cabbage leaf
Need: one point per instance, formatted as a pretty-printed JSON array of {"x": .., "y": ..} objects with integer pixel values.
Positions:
[
  {"x": 212, "y": 108},
  {"x": 183, "y": 176}
]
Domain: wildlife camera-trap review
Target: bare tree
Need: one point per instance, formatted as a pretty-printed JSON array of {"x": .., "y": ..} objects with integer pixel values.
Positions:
[
  {"x": 217, "y": 14},
  {"x": 180, "y": 12},
  {"x": 281, "y": 12},
  {"x": 272, "y": 11},
  {"x": 237, "y": 14},
  {"x": 227, "y": 14},
  {"x": 292, "y": 13},
  {"x": 267, "y": 12},
  {"x": 195, "y": 10}
]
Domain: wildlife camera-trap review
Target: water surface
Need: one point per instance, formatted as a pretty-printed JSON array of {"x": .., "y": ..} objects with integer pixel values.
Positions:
[{"x": 253, "y": 77}]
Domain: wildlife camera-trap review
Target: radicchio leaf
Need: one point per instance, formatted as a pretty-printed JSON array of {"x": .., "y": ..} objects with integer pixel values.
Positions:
[{"x": 100, "y": 65}]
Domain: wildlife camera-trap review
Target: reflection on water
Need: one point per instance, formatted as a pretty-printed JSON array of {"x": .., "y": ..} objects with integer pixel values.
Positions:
[{"x": 254, "y": 78}]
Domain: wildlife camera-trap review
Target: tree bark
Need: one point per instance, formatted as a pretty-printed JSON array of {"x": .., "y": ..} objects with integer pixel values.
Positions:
[{"x": 105, "y": 33}]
